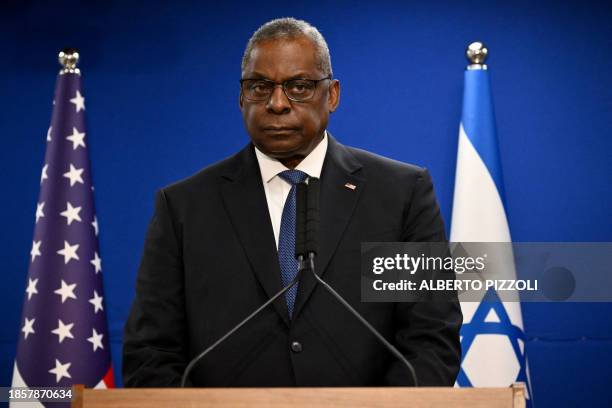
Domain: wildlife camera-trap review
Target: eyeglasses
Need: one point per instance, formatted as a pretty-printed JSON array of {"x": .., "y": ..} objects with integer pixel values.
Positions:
[{"x": 298, "y": 90}]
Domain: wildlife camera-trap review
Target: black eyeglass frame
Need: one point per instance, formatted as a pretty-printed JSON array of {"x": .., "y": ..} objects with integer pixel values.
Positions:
[{"x": 283, "y": 85}]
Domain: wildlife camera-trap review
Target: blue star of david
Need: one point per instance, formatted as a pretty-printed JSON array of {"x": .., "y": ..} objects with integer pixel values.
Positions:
[{"x": 477, "y": 326}]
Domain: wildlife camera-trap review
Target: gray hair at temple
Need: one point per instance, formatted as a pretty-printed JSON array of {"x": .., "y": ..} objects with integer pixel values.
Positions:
[{"x": 290, "y": 28}]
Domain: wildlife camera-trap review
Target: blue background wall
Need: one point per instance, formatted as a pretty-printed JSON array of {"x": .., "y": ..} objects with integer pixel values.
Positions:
[{"x": 161, "y": 83}]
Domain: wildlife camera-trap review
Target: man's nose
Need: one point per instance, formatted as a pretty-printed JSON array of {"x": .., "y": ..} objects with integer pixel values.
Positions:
[{"x": 278, "y": 101}]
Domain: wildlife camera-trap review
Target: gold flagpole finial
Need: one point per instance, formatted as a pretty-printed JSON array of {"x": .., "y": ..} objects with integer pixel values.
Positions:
[
  {"x": 476, "y": 54},
  {"x": 68, "y": 58}
]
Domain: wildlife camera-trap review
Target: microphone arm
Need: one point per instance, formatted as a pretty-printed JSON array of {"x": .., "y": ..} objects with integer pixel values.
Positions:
[
  {"x": 200, "y": 356},
  {"x": 367, "y": 324}
]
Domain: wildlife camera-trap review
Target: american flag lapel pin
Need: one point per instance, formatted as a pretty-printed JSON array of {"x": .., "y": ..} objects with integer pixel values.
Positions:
[{"x": 350, "y": 186}]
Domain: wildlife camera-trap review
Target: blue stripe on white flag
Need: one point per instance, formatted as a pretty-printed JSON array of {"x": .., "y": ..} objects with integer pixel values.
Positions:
[{"x": 478, "y": 120}]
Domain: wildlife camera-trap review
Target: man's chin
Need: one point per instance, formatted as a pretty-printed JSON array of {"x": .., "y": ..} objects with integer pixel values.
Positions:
[{"x": 279, "y": 150}]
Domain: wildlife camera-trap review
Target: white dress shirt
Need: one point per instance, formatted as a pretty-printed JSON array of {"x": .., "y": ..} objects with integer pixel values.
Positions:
[{"x": 278, "y": 189}]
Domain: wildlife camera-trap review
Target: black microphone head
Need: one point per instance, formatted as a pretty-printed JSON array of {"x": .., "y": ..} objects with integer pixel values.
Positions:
[
  {"x": 300, "y": 220},
  {"x": 312, "y": 216}
]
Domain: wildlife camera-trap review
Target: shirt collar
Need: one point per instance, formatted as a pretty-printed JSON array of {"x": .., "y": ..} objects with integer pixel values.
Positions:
[{"x": 311, "y": 165}]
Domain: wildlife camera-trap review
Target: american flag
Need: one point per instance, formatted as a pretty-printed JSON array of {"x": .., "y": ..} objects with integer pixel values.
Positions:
[{"x": 64, "y": 332}]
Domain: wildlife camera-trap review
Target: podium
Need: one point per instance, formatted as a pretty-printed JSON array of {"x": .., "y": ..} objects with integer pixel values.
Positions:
[{"x": 380, "y": 397}]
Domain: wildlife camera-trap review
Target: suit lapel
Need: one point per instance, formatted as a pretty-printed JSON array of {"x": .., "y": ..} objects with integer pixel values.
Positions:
[
  {"x": 340, "y": 169},
  {"x": 245, "y": 201}
]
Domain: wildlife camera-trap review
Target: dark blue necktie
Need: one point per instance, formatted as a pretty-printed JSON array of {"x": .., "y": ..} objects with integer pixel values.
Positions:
[{"x": 286, "y": 239}]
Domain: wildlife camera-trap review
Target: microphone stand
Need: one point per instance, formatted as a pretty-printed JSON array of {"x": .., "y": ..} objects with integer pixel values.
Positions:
[{"x": 306, "y": 242}]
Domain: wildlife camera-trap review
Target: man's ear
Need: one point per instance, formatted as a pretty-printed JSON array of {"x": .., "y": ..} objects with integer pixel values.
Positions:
[
  {"x": 240, "y": 100},
  {"x": 333, "y": 97}
]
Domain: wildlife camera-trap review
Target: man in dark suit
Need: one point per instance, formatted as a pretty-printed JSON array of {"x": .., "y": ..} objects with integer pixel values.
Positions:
[{"x": 219, "y": 246}]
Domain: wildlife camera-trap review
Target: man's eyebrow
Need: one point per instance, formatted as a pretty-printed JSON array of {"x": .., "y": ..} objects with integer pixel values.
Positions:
[
  {"x": 256, "y": 75},
  {"x": 302, "y": 75}
]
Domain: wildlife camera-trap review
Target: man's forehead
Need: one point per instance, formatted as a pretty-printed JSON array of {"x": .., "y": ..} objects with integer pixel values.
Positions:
[{"x": 284, "y": 58}]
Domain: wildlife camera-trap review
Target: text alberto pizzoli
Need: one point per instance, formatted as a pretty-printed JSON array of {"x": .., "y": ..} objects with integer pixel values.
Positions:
[{"x": 460, "y": 265}]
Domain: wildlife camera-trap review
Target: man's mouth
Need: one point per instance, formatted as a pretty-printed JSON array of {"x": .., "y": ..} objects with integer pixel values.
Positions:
[{"x": 279, "y": 129}]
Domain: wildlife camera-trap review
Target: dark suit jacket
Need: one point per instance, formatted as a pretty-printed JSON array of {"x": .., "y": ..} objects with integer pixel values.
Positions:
[{"x": 210, "y": 259}]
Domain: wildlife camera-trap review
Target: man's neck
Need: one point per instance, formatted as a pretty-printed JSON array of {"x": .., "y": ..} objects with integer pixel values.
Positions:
[{"x": 292, "y": 162}]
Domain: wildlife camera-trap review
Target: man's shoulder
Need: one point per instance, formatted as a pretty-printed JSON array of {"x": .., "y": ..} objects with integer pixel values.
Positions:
[
  {"x": 204, "y": 179},
  {"x": 381, "y": 166}
]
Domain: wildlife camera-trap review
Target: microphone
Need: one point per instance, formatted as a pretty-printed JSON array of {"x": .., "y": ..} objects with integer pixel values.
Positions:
[
  {"x": 300, "y": 221},
  {"x": 311, "y": 239},
  {"x": 312, "y": 216}
]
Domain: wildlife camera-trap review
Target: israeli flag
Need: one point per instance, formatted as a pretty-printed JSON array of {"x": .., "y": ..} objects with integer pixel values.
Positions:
[{"x": 492, "y": 337}]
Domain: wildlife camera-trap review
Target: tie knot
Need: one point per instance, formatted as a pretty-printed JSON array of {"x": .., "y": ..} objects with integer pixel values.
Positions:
[{"x": 293, "y": 176}]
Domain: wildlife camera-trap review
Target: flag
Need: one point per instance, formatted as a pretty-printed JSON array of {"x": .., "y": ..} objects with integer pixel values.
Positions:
[
  {"x": 492, "y": 336},
  {"x": 64, "y": 332}
]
